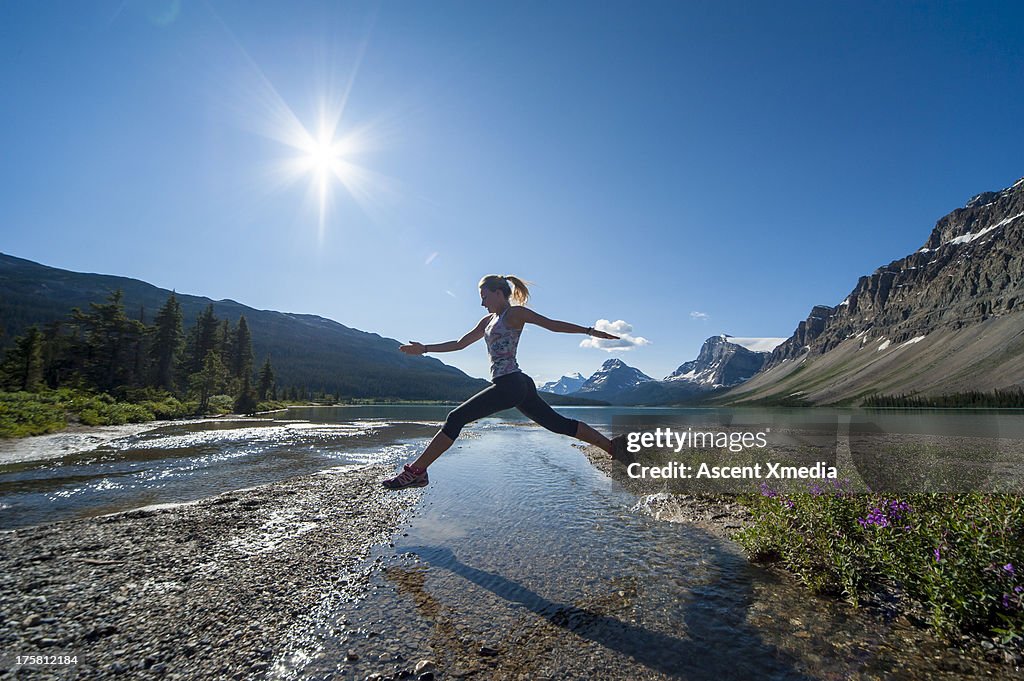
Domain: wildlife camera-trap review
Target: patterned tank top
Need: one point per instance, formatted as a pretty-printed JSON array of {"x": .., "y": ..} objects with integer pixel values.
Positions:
[{"x": 501, "y": 346}]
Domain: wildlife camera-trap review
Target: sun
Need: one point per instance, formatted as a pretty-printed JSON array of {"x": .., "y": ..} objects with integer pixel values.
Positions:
[
  {"x": 323, "y": 148},
  {"x": 326, "y": 159},
  {"x": 325, "y": 156},
  {"x": 326, "y": 153}
]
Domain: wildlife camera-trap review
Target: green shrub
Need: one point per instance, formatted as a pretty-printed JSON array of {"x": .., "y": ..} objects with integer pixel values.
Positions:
[
  {"x": 26, "y": 413},
  {"x": 221, "y": 404},
  {"x": 271, "y": 405},
  {"x": 168, "y": 408},
  {"x": 22, "y": 414},
  {"x": 960, "y": 557},
  {"x": 90, "y": 417}
]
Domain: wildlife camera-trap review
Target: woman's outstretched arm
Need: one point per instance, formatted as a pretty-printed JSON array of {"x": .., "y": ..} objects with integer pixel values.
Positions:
[
  {"x": 414, "y": 348},
  {"x": 528, "y": 316}
]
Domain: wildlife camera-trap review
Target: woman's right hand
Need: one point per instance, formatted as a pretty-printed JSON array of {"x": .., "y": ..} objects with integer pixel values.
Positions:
[{"x": 413, "y": 348}]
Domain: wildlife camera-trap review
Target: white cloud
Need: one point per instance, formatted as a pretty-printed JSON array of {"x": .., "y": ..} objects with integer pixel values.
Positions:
[
  {"x": 700, "y": 315},
  {"x": 430, "y": 258},
  {"x": 627, "y": 341}
]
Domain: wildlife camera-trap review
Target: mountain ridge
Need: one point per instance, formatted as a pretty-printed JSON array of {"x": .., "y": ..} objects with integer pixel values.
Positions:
[
  {"x": 720, "y": 364},
  {"x": 305, "y": 349},
  {"x": 952, "y": 311},
  {"x": 565, "y": 385}
]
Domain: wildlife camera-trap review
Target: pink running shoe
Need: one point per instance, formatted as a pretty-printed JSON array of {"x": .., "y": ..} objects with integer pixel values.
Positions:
[{"x": 407, "y": 478}]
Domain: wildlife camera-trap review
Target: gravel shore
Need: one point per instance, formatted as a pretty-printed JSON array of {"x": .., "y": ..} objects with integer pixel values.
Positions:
[{"x": 220, "y": 588}]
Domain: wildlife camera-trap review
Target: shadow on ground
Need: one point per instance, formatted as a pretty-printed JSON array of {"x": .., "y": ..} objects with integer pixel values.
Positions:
[{"x": 713, "y": 640}]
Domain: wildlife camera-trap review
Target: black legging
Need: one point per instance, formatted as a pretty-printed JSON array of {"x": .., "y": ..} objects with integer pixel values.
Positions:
[{"x": 511, "y": 390}]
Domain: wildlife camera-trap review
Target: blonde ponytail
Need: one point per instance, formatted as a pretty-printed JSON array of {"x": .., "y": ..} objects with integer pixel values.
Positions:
[
  {"x": 520, "y": 293},
  {"x": 514, "y": 288}
]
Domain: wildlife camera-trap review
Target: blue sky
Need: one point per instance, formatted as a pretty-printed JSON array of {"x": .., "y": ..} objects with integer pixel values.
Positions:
[{"x": 690, "y": 168}]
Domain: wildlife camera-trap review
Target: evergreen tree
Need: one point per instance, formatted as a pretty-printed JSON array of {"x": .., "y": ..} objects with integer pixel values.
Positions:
[
  {"x": 111, "y": 344},
  {"x": 202, "y": 339},
  {"x": 58, "y": 358},
  {"x": 266, "y": 382},
  {"x": 22, "y": 368},
  {"x": 208, "y": 381},
  {"x": 241, "y": 350},
  {"x": 246, "y": 402},
  {"x": 167, "y": 343},
  {"x": 225, "y": 343}
]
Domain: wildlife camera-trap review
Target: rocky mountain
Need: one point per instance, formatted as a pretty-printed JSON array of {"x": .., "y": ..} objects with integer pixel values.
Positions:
[
  {"x": 614, "y": 377},
  {"x": 724, "y": 361},
  {"x": 947, "y": 318},
  {"x": 306, "y": 350},
  {"x": 564, "y": 385}
]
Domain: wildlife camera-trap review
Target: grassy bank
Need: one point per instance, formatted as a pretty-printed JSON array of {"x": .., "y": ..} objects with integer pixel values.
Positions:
[
  {"x": 958, "y": 560},
  {"x": 37, "y": 413}
]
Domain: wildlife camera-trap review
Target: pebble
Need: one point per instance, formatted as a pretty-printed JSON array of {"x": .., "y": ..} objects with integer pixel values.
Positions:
[
  {"x": 244, "y": 602},
  {"x": 424, "y": 666}
]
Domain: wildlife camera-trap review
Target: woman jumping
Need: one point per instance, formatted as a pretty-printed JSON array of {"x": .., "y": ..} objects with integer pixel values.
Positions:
[{"x": 510, "y": 387}]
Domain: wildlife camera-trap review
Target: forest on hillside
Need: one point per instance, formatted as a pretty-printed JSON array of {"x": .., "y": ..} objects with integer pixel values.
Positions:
[
  {"x": 998, "y": 399},
  {"x": 103, "y": 350}
]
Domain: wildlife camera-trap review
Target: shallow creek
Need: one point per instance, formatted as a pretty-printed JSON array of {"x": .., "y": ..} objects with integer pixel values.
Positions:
[{"x": 526, "y": 562}]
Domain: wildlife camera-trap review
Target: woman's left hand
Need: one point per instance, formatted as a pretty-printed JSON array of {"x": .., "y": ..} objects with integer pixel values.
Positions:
[{"x": 413, "y": 348}]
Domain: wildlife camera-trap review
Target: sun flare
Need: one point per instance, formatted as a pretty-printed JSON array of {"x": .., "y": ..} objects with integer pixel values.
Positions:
[
  {"x": 326, "y": 159},
  {"x": 322, "y": 147},
  {"x": 325, "y": 155},
  {"x": 322, "y": 156}
]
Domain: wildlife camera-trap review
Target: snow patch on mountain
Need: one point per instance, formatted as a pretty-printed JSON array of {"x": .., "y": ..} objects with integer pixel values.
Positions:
[
  {"x": 968, "y": 238},
  {"x": 757, "y": 344},
  {"x": 725, "y": 361},
  {"x": 564, "y": 385},
  {"x": 614, "y": 375}
]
